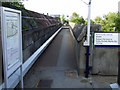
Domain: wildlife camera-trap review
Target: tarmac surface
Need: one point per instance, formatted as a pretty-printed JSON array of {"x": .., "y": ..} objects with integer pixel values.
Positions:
[{"x": 58, "y": 63}]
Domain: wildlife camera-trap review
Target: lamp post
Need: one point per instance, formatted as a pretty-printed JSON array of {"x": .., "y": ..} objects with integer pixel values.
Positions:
[{"x": 87, "y": 41}]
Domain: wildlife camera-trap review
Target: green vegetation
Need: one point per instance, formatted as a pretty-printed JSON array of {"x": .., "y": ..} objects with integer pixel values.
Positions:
[
  {"x": 30, "y": 19},
  {"x": 58, "y": 18},
  {"x": 109, "y": 22},
  {"x": 117, "y": 23},
  {"x": 91, "y": 21},
  {"x": 75, "y": 18},
  {"x": 65, "y": 21},
  {"x": 13, "y": 5}
]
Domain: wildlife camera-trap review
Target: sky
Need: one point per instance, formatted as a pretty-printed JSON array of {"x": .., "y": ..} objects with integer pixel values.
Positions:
[{"x": 67, "y": 7}]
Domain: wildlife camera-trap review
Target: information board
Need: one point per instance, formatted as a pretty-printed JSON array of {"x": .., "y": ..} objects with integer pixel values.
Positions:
[
  {"x": 12, "y": 34},
  {"x": 11, "y": 38},
  {"x": 107, "y": 39}
]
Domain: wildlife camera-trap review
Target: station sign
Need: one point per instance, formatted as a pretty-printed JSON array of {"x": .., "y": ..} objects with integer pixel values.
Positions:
[{"x": 107, "y": 39}]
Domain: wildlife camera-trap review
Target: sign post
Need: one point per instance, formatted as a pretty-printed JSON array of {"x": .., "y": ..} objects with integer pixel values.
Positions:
[{"x": 11, "y": 43}]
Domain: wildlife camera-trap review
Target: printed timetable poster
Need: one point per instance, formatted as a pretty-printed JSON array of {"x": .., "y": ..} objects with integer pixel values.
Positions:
[
  {"x": 12, "y": 37},
  {"x": 107, "y": 39}
]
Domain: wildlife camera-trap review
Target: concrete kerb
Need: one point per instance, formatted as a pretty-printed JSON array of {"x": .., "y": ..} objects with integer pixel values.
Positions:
[{"x": 76, "y": 49}]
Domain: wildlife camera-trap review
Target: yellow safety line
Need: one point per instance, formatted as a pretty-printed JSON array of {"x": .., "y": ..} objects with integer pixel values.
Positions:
[{"x": 37, "y": 84}]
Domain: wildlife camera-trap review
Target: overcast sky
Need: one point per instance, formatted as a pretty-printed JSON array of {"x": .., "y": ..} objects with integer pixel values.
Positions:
[{"x": 67, "y": 7}]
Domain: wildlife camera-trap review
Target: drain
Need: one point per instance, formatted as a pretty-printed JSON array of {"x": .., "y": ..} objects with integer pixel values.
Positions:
[
  {"x": 84, "y": 81},
  {"x": 71, "y": 73},
  {"x": 44, "y": 83}
]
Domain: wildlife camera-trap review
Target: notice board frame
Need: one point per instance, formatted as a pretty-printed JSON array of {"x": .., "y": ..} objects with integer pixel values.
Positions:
[{"x": 11, "y": 23}]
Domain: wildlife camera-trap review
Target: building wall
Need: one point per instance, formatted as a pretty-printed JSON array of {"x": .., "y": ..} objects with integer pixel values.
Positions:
[{"x": 105, "y": 61}]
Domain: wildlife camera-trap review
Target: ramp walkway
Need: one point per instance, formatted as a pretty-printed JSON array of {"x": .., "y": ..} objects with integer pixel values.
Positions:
[
  {"x": 59, "y": 56},
  {"x": 57, "y": 67}
]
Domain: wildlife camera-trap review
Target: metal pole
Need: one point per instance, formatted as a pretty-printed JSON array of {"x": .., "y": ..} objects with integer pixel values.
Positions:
[
  {"x": 88, "y": 24},
  {"x": 119, "y": 68},
  {"x": 21, "y": 77},
  {"x": 87, "y": 42},
  {"x": 92, "y": 50},
  {"x": 87, "y": 62}
]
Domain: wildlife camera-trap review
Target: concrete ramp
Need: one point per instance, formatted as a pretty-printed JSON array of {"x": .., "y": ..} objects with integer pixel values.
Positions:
[
  {"x": 61, "y": 52},
  {"x": 59, "y": 56}
]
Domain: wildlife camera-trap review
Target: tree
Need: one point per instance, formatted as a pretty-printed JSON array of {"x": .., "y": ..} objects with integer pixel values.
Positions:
[
  {"x": 98, "y": 20},
  {"x": 81, "y": 20},
  {"x": 117, "y": 23},
  {"x": 65, "y": 21},
  {"x": 91, "y": 21},
  {"x": 108, "y": 22},
  {"x": 75, "y": 15},
  {"x": 76, "y": 19}
]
